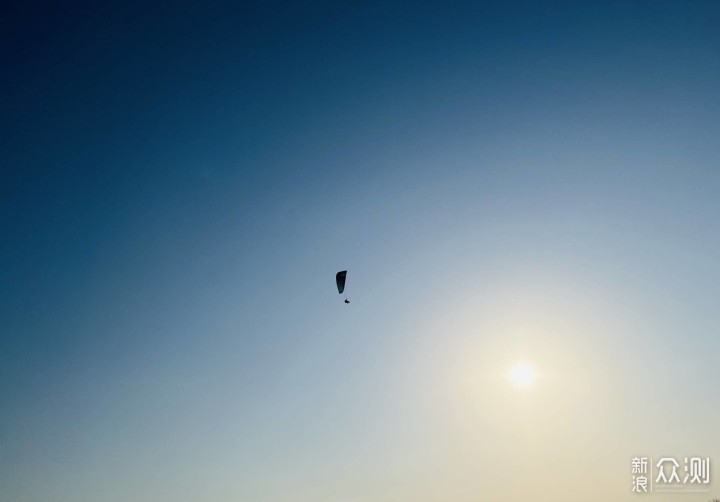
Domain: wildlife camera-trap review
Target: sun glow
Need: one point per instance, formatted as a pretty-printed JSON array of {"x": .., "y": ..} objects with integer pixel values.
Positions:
[{"x": 522, "y": 375}]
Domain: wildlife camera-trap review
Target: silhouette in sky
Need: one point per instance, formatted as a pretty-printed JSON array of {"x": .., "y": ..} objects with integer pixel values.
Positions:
[{"x": 340, "y": 282}]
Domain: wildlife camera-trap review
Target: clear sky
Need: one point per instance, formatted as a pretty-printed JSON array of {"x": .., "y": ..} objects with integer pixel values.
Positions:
[{"x": 505, "y": 182}]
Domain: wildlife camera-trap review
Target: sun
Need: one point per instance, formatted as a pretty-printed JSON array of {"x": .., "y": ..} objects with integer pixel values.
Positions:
[{"x": 522, "y": 375}]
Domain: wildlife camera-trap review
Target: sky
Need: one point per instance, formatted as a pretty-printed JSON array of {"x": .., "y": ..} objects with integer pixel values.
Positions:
[{"x": 506, "y": 183}]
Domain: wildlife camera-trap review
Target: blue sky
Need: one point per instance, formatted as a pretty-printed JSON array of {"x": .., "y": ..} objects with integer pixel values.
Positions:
[{"x": 505, "y": 181}]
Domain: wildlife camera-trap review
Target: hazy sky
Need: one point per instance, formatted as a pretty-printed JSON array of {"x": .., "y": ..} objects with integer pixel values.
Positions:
[{"x": 505, "y": 182}]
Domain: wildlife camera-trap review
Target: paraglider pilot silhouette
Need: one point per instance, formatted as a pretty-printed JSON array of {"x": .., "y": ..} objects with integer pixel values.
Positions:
[{"x": 340, "y": 281}]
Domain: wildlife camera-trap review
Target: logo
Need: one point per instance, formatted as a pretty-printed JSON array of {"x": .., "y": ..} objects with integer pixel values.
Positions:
[{"x": 670, "y": 475}]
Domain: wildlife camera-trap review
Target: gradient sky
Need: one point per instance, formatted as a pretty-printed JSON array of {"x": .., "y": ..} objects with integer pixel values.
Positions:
[{"x": 509, "y": 181}]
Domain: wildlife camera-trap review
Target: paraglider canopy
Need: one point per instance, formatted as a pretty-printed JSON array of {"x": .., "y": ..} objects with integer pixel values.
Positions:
[{"x": 340, "y": 281}]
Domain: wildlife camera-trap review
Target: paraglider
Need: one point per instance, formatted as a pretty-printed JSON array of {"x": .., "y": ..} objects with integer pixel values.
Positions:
[{"x": 340, "y": 282}]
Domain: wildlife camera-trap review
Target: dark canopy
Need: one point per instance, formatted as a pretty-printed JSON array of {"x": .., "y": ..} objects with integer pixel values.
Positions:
[{"x": 340, "y": 280}]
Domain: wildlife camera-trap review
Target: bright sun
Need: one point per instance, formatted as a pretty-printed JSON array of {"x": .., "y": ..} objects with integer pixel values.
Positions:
[{"x": 522, "y": 375}]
